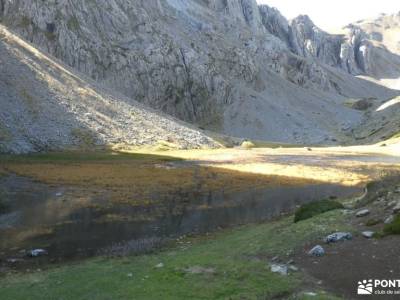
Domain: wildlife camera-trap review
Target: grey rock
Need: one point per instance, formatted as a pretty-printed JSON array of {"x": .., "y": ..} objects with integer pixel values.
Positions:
[
  {"x": 396, "y": 208},
  {"x": 37, "y": 252},
  {"x": 279, "y": 268},
  {"x": 309, "y": 41},
  {"x": 338, "y": 237},
  {"x": 14, "y": 260},
  {"x": 389, "y": 219},
  {"x": 317, "y": 251},
  {"x": 290, "y": 262},
  {"x": 293, "y": 268},
  {"x": 362, "y": 213},
  {"x": 275, "y": 258},
  {"x": 368, "y": 234},
  {"x": 310, "y": 294}
]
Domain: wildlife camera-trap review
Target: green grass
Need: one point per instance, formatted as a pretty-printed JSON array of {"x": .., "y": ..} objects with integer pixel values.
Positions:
[
  {"x": 392, "y": 228},
  {"x": 238, "y": 256},
  {"x": 312, "y": 209}
]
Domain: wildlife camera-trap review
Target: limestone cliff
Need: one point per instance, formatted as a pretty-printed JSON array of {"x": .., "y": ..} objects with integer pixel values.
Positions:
[{"x": 230, "y": 66}]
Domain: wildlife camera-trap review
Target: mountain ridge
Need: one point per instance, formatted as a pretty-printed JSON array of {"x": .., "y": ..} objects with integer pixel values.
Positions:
[{"x": 228, "y": 66}]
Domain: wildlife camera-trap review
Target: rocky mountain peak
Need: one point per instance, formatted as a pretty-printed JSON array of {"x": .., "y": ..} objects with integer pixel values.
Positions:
[
  {"x": 275, "y": 22},
  {"x": 229, "y": 66},
  {"x": 304, "y": 20}
]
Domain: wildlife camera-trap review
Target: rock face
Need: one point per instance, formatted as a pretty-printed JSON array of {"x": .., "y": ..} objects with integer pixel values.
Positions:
[
  {"x": 367, "y": 48},
  {"x": 309, "y": 41},
  {"x": 230, "y": 66}
]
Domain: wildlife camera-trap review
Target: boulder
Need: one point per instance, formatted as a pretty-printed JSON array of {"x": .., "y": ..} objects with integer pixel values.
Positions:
[
  {"x": 396, "y": 208},
  {"x": 338, "y": 237},
  {"x": 389, "y": 219},
  {"x": 280, "y": 269},
  {"x": 317, "y": 251},
  {"x": 362, "y": 213},
  {"x": 37, "y": 253},
  {"x": 368, "y": 234},
  {"x": 293, "y": 268}
]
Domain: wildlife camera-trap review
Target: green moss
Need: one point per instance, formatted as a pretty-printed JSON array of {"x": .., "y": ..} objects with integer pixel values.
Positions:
[
  {"x": 394, "y": 227},
  {"x": 310, "y": 210},
  {"x": 235, "y": 256}
]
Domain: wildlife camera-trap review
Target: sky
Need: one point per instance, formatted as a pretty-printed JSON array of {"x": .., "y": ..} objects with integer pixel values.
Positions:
[{"x": 334, "y": 14}]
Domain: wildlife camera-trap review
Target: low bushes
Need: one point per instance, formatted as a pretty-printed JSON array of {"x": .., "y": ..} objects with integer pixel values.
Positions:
[
  {"x": 312, "y": 209},
  {"x": 394, "y": 227}
]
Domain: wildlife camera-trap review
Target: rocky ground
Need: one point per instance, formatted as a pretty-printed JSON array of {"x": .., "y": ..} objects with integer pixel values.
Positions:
[
  {"x": 366, "y": 255},
  {"x": 48, "y": 106}
]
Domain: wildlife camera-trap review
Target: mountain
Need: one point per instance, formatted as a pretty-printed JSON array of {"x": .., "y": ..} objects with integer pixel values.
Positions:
[
  {"x": 367, "y": 47},
  {"x": 228, "y": 66},
  {"x": 383, "y": 51},
  {"x": 46, "y": 105}
]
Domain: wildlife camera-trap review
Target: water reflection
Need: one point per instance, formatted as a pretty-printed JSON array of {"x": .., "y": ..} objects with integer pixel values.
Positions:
[{"x": 70, "y": 223}]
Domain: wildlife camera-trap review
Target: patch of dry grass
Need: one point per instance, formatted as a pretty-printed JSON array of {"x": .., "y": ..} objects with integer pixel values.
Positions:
[
  {"x": 137, "y": 179},
  {"x": 134, "y": 178}
]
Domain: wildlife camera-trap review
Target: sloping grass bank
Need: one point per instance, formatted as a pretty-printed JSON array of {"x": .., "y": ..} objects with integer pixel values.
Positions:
[{"x": 230, "y": 264}]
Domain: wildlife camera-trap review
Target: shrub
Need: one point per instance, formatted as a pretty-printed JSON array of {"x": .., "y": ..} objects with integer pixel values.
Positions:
[
  {"x": 312, "y": 209},
  {"x": 394, "y": 227}
]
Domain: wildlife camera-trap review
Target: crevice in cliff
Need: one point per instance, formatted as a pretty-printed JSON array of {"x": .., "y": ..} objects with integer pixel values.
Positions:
[
  {"x": 2, "y": 7},
  {"x": 189, "y": 83}
]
